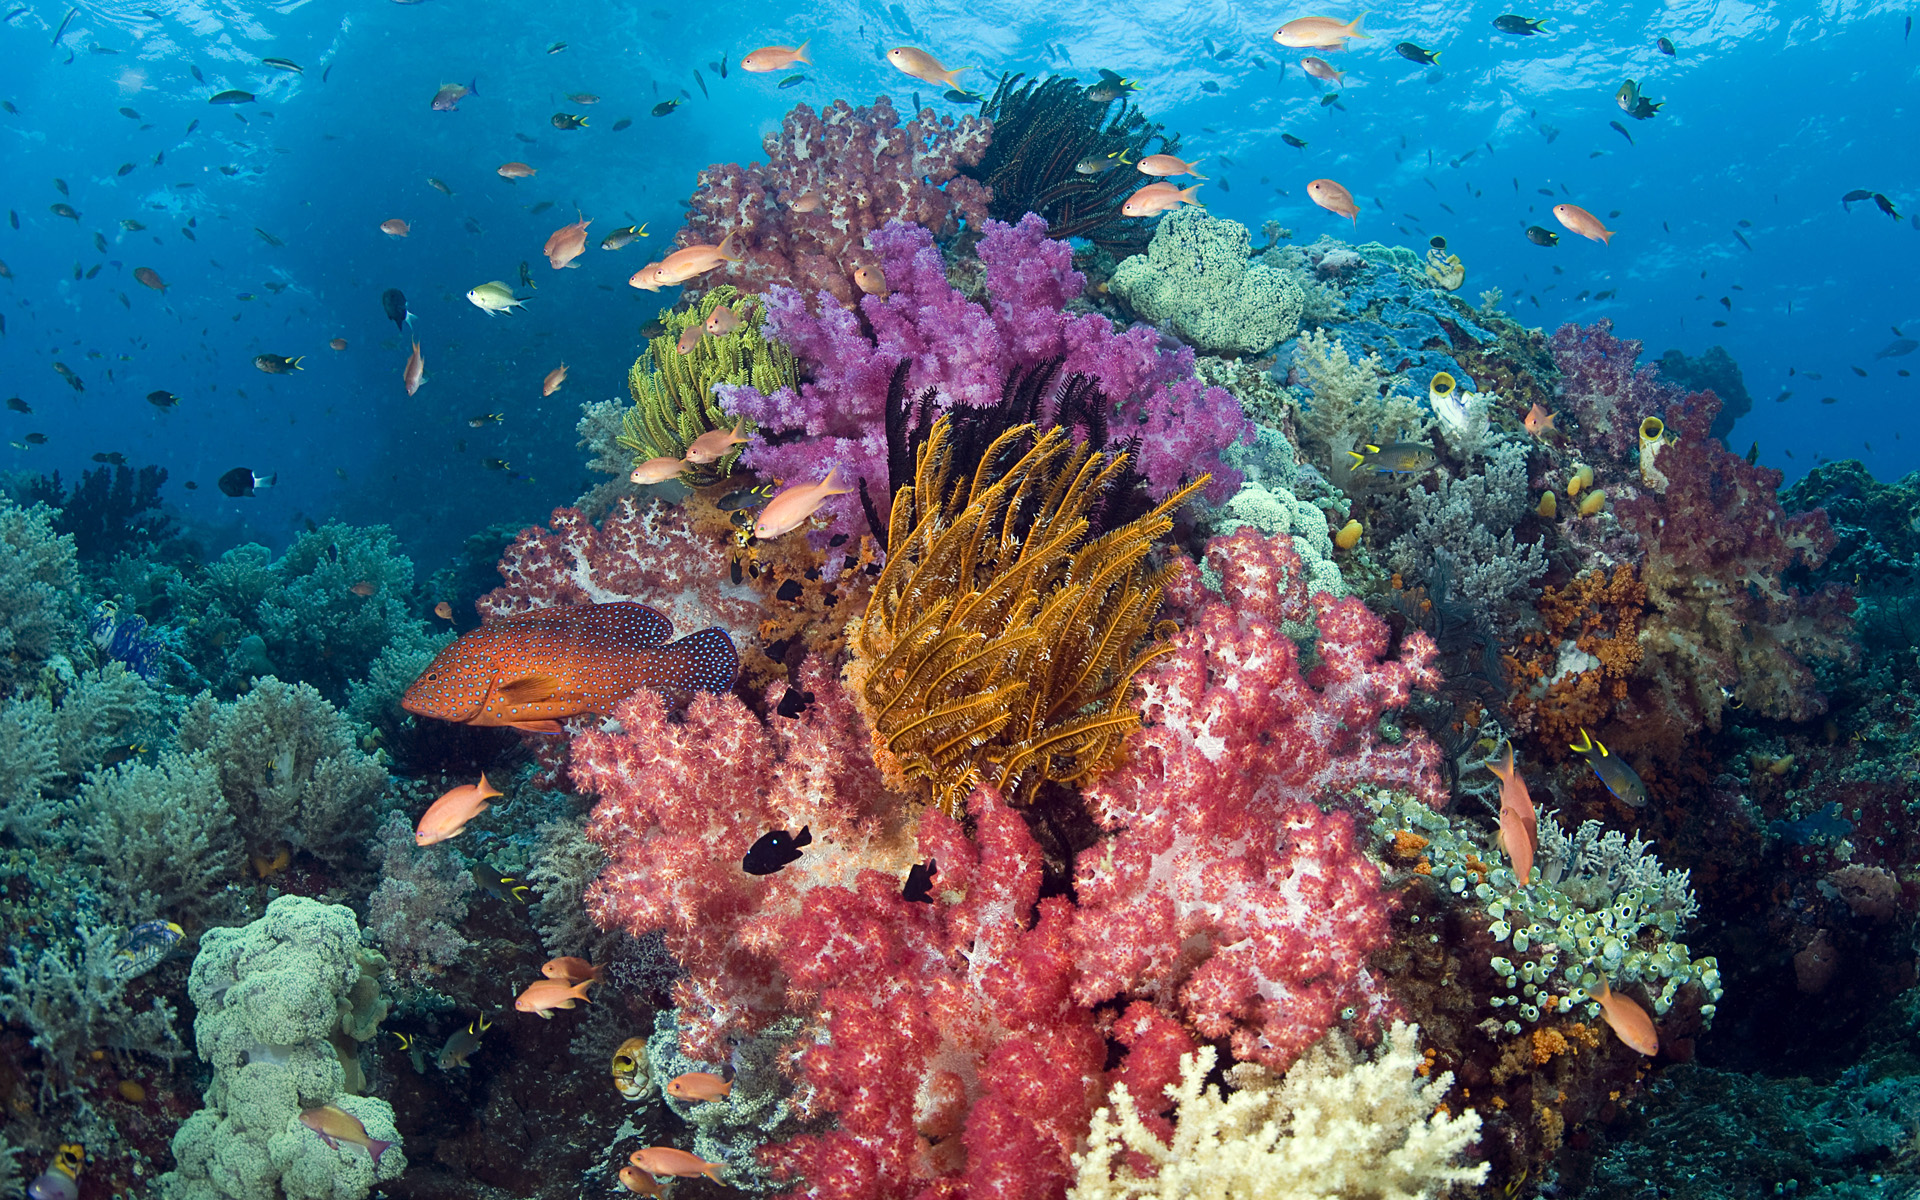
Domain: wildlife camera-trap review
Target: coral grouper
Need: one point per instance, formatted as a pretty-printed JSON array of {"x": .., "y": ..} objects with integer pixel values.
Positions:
[{"x": 531, "y": 670}]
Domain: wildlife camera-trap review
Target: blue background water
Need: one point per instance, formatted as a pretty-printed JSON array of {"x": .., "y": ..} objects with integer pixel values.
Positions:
[{"x": 1772, "y": 113}]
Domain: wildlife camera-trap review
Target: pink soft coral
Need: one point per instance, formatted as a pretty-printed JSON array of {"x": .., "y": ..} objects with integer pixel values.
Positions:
[
  {"x": 1227, "y": 894},
  {"x": 953, "y": 1057}
]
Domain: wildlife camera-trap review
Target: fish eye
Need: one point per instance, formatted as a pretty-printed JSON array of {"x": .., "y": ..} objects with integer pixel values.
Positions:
[{"x": 432, "y": 675}]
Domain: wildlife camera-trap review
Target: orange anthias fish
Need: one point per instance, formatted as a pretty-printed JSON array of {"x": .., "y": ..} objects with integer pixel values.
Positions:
[
  {"x": 1320, "y": 68},
  {"x": 416, "y": 372},
  {"x": 871, "y": 280},
  {"x": 665, "y": 1160},
  {"x": 1167, "y": 164},
  {"x": 554, "y": 379},
  {"x": 698, "y": 1085},
  {"x": 1334, "y": 198},
  {"x": 532, "y": 670},
  {"x": 1158, "y": 198},
  {"x": 572, "y": 970},
  {"x": 447, "y": 817},
  {"x": 657, "y": 470},
  {"x": 1319, "y": 33},
  {"x": 336, "y": 1125},
  {"x": 924, "y": 67},
  {"x": 1582, "y": 222},
  {"x": 683, "y": 265},
  {"x": 542, "y": 996},
  {"x": 639, "y": 1182},
  {"x": 567, "y": 243},
  {"x": 722, "y": 321},
  {"x": 712, "y": 446},
  {"x": 776, "y": 58},
  {"x": 793, "y": 507},
  {"x": 1519, "y": 823},
  {"x": 1628, "y": 1020},
  {"x": 1539, "y": 422}
]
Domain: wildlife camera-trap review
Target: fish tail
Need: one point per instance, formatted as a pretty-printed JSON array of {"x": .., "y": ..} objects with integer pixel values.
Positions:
[
  {"x": 799, "y": 55},
  {"x": 712, "y": 1171},
  {"x": 269, "y": 481},
  {"x": 376, "y": 1148},
  {"x": 1354, "y": 30},
  {"x": 295, "y": 364},
  {"x": 1191, "y": 171},
  {"x": 473, "y": 88},
  {"x": 1504, "y": 772},
  {"x": 829, "y": 488},
  {"x": 725, "y": 248},
  {"x": 712, "y": 661},
  {"x": 1187, "y": 195},
  {"x": 1586, "y": 742}
]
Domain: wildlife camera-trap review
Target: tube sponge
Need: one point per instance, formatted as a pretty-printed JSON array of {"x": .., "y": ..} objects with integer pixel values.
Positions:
[{"x": 1195, "y": 275}]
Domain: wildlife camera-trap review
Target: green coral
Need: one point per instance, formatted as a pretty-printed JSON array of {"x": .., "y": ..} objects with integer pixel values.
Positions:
[
  {"x": 673, "y": 393},
  {"x": 161, "y": 840},
  {"x": 39, "y": 590},
  {"x": 283, "y": 1004},
  {"x": 1195, "y": 276},
  {"x": 1276, "y": 510}
]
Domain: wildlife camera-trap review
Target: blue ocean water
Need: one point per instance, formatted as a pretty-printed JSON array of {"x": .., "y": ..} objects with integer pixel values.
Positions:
[{"x": 1770, "y": 114}]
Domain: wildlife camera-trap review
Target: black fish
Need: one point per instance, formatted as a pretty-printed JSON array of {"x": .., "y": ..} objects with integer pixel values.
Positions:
[
  {"x": 1782, "y": 397},
  {"x": 1410, "y": 51},
  {"x": 703, "y": 84},
  {"x": 1293, "y": 141},
  {"x": 789, "y": 81},
  {"x": 1621, "y": 130},
  {"x": 723, "y": 65},
  {"x": 394, "y": 302},
  {"x": 1521, "y": 26},
  {"x": 1860, "y": 371},
  {"x": 197, "y": 76},
  {"x": 162, "y": 399},
  {"x": 665, "y": 106},
  {"x": 1665, "y": 47},
  {"x": 16, "y": 404},
  {"x": 1743, "y": 240},
  {"x": 1753, "y": 454},
  {"x": 1329, "y": 98},
  {"x": 919, "y": 889},
  {"x": 1885, "y": 205},
  {"x": 241, "y": 481},
  {"x": 794, "y": 703},
  {"x": 112, "y": 458},
  {"x": 775, "y": 849},
  {"x": 1895, "y": 349},
  {"x": 268, "y": 238},
  {"x": 623, "y": 123},
  {"x": 1542, "y": 237},
  {"x": 125, "y": 170},
  {"x": 1210, "y": 87},
  {"x": 130, "y": 114}
]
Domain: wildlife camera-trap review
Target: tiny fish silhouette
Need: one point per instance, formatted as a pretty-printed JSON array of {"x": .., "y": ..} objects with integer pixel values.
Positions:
[{"x": 531, "y": 670}]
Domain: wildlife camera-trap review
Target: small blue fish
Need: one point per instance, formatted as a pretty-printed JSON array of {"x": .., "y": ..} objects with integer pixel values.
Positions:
[{"x": 145, "y": 945}]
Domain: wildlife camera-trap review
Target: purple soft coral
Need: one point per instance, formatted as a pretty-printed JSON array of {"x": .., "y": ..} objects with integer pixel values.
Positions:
[{"x": 965, "y": 353}]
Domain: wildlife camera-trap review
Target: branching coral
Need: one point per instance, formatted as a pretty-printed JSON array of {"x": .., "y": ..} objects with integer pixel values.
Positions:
[
  {"x": 113, "y": 510},
  {"x": 1227, "y": 894},
  {"x": 1338, "y": 1125},
  {"x": 859, "y": 168},
  {"x": 1042, "y": 131},
  {"x": 415, "y": 911},
  {"x": 1348, "y": 406},
  {"x": 1459, "y": 516},
  {"x": 162, "y": 839},
  {"x": 1000, "y": 641},
  {"x": 673, "y": 397},
  {"x": 39, "y": 590}
]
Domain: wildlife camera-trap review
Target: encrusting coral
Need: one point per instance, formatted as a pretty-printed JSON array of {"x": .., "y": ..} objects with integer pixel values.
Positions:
[
  {"x": 1196, "y": 277},
  {"x": 1001, "y": 639},
  {"x": 673, "y": 391},
  {"x": 1338, "y": 1126}
]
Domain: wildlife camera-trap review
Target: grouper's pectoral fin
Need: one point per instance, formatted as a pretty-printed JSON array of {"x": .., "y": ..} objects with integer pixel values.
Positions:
[
  {"x": 535, "y": 726},
  {"x": 536, "y": 688}
]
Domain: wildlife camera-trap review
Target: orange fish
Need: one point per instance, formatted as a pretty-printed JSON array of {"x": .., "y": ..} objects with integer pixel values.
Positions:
[
  {"x": 713, "y": 445},
  {"x": 657, "y": 470},
  {"x": 776, "y": 58},
  {"x": 542, "y": 996},
  {"x": 1582, "y": 222},
  {"x": 363, "y": 588},
  {"x": 722, "y": 321},
  {"x": 516, "y": 170},
  {"x": 567, "y": 243},
  {"x": 924, "y": 67},
  {"x": 871, "y": 280},
  {"x": 683, "y": 265},
  {"x": 1334, "y": 198},
  {"x": 635, "y": 1180},
  {"x": 150, "y": 277},
  {"x": 1167, "y": 164},
  {"x": 338, "y": 343},
  {"x": 1539, "y": 421},
  {"x": 336, "y": 1125},
  {"x": 1319, "y": 33},
  {"x": 447, "y": 817},
  {"x": 1519, "y": 823},
  {"x": 572, "y": 970},
  {"x": 554, "y": 379},
  {"x": 1320, "y": 68},
  {"x": 698, "y": 1085},
  {"x": 1628, "y": 1020},
  {"x": 416, "y": 372},
  {"x": 443, "y": 610},
  {"x": 690, "y": 337},
  {"x": 395, "y": 228},
  {"x": 532, "y": 670},
  {"x": 807, "y": 202},
  {"x": 792, "y": 507},
  {"x": 1157, "y": 198},
  {"x": 665, "y": 1160}
]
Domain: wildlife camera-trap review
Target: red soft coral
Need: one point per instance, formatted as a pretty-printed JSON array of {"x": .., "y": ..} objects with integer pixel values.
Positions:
[
  {"x": 1227, "y": 894},
  {"x": 952, "y": 1054},
  {"x": 680, "y": 803}
]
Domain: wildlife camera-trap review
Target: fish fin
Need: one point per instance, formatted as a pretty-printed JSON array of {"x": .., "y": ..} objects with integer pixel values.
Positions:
[
  {"x": 377, "y": 1147},
  {"x": 828, "y": 488},
  {"x": 536, "y": 726},
  {"x": 712, "y": 1171},
  {"x": 486, "y": 789},
  {"x": 1586, "y": 742},
  {"x": 1504, "y": 772},
  {"x": 713, "y": 662},
  {"x": 725, "y": 249},
  {"x": 530, "y": 689},
  {"x": 805, "y": 837},
  {"x": 799, "y": 55},
  {"x": 1603, "y": 749},
  {"x": 1187, "y": 195},
  {"x": 1354, "y": 30}
]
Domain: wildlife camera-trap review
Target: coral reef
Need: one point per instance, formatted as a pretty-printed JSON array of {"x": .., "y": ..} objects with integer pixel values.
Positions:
[
  {"x": 415, "y": 911},
  {"x": 1337, "y": 1124},
  {"x": 284, "y": 1005},
  {"x": 1195, "y": 277},
  {"x": 1350, "y": 403},
  {"x": 1713, "y": 370},
  {"x": 1604, "y": 388},
  {"x": 1876, "y": 526},
  {"x": 1457, "y": 517},
  {"x": 673, "y": 391},
  {"x": 1042, "y": 131},
  {"x": 1001, "y": 637},
  {"x": 967, "y": 354},
  {"x": 162, "y": 840},
  {"x": 113, "y": 510},
  {"x": 39, "y": 590},
  {"x": 859, "y": 168}
]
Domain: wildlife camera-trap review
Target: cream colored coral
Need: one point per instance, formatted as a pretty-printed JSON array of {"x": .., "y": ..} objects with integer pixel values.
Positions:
[
  {"x": 1337, "y": 1127},
  {"x": 1347, "y": 408}
]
